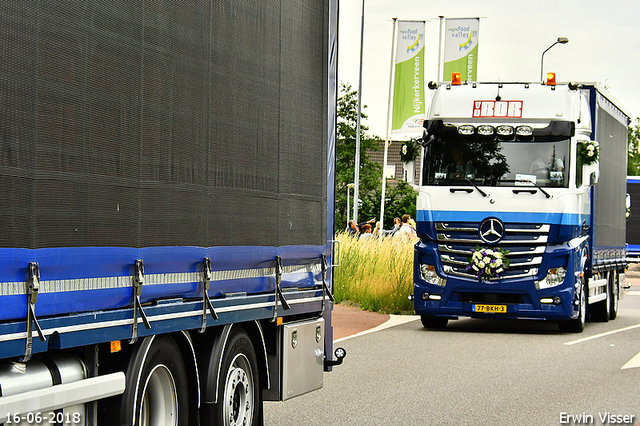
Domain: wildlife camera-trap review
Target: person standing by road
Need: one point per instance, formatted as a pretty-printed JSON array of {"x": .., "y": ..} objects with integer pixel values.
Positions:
[
  {"x": 355, "y": 229},
  {"x": 406, "y": 230},
  {"x": 352, "y": 230},
  {"x": 366, "y": 231},
  {"x": 396, "y": 227}
]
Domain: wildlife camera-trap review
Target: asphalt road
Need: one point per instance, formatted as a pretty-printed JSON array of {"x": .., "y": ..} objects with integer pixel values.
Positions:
[{"x": 480, "y": 372}]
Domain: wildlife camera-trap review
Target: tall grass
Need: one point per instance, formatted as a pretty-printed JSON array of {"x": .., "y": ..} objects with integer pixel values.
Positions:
[{"x": 376, "y": 274}]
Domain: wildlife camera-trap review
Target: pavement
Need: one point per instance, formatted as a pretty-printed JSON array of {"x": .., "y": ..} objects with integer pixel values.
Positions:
[
  {"x": 349, "y": 321},
  {"x": 632, "y": 276}
]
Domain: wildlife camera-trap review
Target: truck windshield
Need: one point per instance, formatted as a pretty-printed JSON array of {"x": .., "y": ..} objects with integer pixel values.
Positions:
[{"x": 497, "y": 163}]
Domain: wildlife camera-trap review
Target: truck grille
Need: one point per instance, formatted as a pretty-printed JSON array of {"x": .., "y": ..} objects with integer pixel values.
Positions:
[{"x": 525, "y": 243}]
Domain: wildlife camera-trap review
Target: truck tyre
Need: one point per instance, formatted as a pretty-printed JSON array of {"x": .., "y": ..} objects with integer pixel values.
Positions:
[
  {"x": 614, "y": 294},
  {"x": 239, "y": 401},
  {"x": 157, "y": 391},
  {"x": 433, "y": 322},
  {"x": 577, "y": 325}
]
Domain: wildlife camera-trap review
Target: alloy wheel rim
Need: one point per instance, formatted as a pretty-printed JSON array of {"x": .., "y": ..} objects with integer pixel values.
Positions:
[
  {"x": 159, "y": 405},
  {"x": 238, "y": 393}
]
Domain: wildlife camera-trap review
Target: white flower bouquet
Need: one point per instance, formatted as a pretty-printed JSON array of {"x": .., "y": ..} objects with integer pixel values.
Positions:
[
  {"x": 409, "y": 151},
  {"x": 588, "y": 152},
  {"x": 488, "y": 263}
]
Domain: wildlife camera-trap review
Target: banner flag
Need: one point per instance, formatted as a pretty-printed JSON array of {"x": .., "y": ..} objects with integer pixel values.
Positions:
[
  {"x": 408, "y": 87},
  {"x": 461, "y": 48}
]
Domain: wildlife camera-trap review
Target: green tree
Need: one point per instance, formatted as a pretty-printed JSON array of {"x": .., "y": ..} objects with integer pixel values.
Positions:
[
  {"x": 633, "y": 165},
  {"x": 370, "y": 171},
  {"x": 400, "y": 198}
]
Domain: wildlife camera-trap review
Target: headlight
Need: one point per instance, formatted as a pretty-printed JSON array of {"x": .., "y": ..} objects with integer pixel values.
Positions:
[
  {"x": 504, "y": 130},
  {"x": 524, "y": 130},
  {"x": 428, "y": 273},
  {"x": 485, "y": 130},
  {"x": 555, "y": 277},
  {"x": 466, "y": 129}
]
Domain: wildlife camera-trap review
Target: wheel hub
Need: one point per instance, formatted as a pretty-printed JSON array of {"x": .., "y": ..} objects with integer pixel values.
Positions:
[{"x": 238, "y": 398}]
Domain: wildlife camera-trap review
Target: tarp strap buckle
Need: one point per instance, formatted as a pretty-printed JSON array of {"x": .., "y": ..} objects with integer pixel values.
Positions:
[
  {"x": 137, "y": 282},
  {"x": 33, "y": 286},
  {"x": 207, "y": 274},
  {"x": 279, "y": 295}
]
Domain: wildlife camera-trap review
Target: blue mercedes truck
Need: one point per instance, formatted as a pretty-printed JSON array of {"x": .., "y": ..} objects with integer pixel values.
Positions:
[{"x": 521, "y": 209}]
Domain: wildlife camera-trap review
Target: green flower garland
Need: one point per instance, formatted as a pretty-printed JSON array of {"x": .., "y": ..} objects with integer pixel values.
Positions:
[
  {"x": 409, "y": 151},
  {"x": 588, "y": 152}
]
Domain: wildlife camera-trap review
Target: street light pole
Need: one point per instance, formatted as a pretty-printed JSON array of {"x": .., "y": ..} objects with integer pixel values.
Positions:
[
  {"x": 356, "y": 192},
  {"x": 561, "y": 40}
]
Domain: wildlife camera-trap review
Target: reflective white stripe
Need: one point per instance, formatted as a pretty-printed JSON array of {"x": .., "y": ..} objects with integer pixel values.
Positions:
[
  {"x": 177, "y": 278},
  {"x": 154, "y": 318},
  {"x": 57, "y": 286},
  {"x": 12, "y": 289},
  {"x": 81, "y": 284}
]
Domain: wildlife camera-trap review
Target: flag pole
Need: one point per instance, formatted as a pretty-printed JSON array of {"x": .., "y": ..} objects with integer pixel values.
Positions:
[
  {"x": 356, "y": 180},
  {"x": 440, "y": 50},
  {"x": 386, "y": 141}
]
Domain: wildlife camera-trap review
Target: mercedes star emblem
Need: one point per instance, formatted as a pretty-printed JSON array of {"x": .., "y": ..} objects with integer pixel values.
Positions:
[{"x": 491, "y": 230}]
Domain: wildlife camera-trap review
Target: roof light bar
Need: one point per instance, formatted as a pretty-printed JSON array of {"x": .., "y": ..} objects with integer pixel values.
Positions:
[
  {"x": 466, "y": 129},
  {"x": 504, "y": 130},
  {"x": 524, "y": 131},
  {"x": 456, "y": 79},
  {"x": 485, "y": 130}
]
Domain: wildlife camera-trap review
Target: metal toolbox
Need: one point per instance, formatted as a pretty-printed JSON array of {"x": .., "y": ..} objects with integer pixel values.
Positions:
[{"x": 303, "y": 357}]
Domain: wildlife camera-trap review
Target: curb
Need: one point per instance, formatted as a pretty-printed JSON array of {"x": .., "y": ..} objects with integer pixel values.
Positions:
[{"x": 391, "y": 322}]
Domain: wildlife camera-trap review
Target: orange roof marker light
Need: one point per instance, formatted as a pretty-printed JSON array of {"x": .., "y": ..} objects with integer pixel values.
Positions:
[
  {"x": 456, "y": 80},
  {"x": 551, "y": 79}
]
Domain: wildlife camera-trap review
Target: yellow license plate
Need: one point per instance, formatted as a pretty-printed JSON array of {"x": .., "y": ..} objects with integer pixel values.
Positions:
[{"x": 499, "y": 309}]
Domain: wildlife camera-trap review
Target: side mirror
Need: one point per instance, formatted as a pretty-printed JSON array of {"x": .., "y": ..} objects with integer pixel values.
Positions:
[{"x": 592, "y": 173}]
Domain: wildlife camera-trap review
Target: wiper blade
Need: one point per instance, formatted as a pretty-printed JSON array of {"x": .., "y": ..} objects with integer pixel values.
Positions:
[
  {"x": 527, "y": 181},
  {"x": 484, "y": 194}
]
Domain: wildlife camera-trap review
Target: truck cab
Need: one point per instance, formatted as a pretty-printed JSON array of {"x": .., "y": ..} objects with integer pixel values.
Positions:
[{"x": 505, "y": 210}]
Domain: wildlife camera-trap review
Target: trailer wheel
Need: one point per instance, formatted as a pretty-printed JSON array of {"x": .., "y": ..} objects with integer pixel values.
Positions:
[
  {"x": 157, "y": 390},
  {"x": 577, "y": 325},
  {"x": 614, "y": 294},
  {"x": 239, "y": 401},
  {"x": 433, "y": 322}
]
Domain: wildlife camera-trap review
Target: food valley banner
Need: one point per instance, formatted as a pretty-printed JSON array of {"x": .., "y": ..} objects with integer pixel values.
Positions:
[
  {"x": 461, "y": 48},
  {"x": 408, "y": 86}
]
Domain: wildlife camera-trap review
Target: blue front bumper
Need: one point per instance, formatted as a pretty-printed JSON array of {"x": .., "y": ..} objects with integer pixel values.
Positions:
[{"x": 520, "y": 299}]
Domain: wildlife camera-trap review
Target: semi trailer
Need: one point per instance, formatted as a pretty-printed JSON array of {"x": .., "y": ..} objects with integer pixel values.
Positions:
[{"x": 162, "y": 259}]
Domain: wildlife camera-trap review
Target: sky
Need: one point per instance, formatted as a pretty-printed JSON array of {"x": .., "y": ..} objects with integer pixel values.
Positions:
[{"x": 603, "y": 47}]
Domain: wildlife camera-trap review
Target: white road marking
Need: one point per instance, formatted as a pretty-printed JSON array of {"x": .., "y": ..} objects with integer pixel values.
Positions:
[
  {"x": 597, "y": 336},
  {"x": 391, "y": 322},
  {"x": 633, "y": 363}
]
